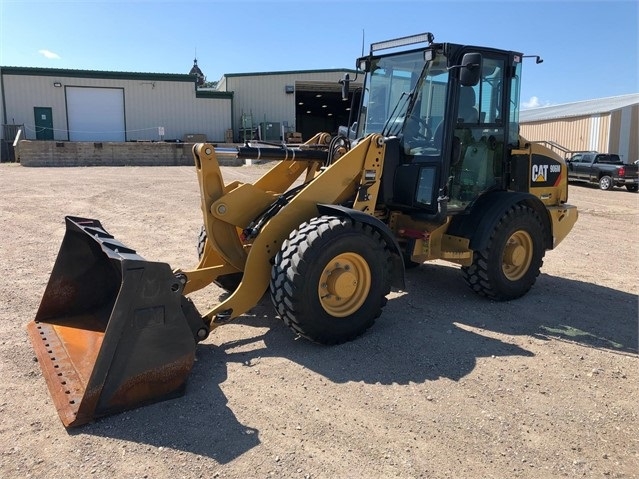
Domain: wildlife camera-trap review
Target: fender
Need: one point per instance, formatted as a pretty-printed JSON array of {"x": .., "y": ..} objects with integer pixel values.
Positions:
[
  {"x": 487, "y": 211},
  {"x": 397, "y": 274}
]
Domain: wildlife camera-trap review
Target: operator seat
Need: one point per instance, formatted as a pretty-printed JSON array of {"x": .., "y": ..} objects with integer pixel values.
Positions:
[
  {"x": 474, "y": 168},
  {"x": 467, "y": 113}
]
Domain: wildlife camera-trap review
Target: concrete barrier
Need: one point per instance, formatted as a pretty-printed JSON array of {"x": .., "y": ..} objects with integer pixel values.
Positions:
[{"x": 87, "y": 153}]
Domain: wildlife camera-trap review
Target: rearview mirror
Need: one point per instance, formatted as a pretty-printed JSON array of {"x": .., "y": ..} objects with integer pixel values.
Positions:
[
  {"x": 470, "y": 69},
  {"x": 345, "y": 82}
]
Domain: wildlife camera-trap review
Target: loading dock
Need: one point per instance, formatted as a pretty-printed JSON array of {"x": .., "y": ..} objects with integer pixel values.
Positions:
[{"x": 319, "y": 107}]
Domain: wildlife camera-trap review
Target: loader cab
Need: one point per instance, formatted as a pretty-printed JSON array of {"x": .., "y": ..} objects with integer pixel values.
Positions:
[{"x": 451, "y": 114}]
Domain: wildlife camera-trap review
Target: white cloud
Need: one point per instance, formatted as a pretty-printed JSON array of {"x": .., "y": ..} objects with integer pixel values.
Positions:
[
  {"x": 534, "y": 102},
  {"x": 49, "y": 54}
]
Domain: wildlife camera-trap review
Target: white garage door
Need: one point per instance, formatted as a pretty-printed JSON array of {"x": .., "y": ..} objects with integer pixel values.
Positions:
[{"x": 95, "y": 114}]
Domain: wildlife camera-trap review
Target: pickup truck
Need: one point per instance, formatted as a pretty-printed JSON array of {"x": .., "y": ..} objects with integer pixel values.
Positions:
[{"x": 606, "y": 169}]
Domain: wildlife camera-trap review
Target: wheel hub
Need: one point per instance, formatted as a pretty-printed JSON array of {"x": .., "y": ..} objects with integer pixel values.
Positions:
[
  {"x": 341, "y": 282},
  {"x": 344, "y": 284},
  {"x": 517, "y": 256}
]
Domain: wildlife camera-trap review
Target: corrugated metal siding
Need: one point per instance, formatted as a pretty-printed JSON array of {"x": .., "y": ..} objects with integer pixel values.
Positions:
[
  {"x": 148, "y": 105},
  {"x": 580, "y": 108},
  {"x": 263, "y": 96},
  {"x": 22, "y": 93},
  {"x": 2, "y": 119},
  {"x": 572, "y": 133},
  {"x": 614, "y": 132},
  {"x": 601, "y": 133},
  {"x": 615, "y": 125},
  {"x": 625, "y": 135},
  {"x": 221, "y": 84},
  {"x": 633, "y": 150},
  {"x": 593, "y": 135},
  {"x": 174, "y": 107}
]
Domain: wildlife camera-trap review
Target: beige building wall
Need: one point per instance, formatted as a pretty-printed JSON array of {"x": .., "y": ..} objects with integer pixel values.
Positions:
[
  {"x": 612, "y": 132},
  {"x": 624, "y": 133},
  {"x": 600, "y": 133},
  {"x": 634, "y": 134},
  {"x": 572, "y": 133},
  {"x": 615, "y": 125}
]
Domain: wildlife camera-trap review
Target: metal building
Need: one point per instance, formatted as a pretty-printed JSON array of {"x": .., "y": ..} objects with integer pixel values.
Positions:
[
  {"x": 606, "y": 125},
  {"x": 269, "y": 103},
  {"x": 85, "y": 105}
]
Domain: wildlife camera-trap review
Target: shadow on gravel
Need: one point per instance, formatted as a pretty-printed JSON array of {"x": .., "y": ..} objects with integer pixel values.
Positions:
[
  {"x": 421, "y": 336},
  {"x": 585, "y": 313},
  {"x": 199, "y": 422}
]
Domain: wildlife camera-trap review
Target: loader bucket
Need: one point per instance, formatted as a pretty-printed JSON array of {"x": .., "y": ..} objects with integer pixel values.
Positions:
[{"x": 113, "y": 331}]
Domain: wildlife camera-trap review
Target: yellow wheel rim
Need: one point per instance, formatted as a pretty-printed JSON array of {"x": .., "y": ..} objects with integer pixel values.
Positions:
[
  {"x": 518, "y": 255},
  {"x": 344, "y": 284}
]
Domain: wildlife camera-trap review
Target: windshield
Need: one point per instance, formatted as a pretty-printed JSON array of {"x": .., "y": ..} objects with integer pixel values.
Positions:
[{"x": 395, "y": 83}]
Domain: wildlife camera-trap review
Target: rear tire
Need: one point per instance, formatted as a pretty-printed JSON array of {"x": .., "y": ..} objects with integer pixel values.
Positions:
[
  {"x": 632, "y": 188},
  {"x": 509, "y": 265},
  {"x": 606, "y": 183},
  {"x": 228, "y": 282},
  {"x": 330, "y": 279}
]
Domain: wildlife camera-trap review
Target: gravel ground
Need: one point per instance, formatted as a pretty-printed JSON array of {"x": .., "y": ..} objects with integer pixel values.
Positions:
[{"x": 445, "y": 385}]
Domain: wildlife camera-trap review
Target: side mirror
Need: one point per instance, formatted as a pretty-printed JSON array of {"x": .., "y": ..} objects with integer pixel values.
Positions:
[
  {"x": 350, "y": 133},
  {"x": 345, "y": 82},
  {"x": 470, "y": 70}
]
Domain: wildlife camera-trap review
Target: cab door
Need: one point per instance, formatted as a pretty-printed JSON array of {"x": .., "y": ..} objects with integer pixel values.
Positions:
[{"x": 481, "y": 131}]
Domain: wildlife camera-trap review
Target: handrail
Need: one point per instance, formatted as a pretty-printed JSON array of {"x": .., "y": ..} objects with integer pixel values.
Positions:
[{"x": 551, "y": 144}]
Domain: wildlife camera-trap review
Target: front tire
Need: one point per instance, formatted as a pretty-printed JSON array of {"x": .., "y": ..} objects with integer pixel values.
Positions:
[
  {"x": 330, "y": 279},
  {"x": 606, "y": 183},
  {"x": 509, "y": 265},
  {"x": 228, "y": 282}
]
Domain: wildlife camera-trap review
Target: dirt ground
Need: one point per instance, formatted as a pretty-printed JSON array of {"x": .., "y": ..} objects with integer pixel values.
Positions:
[{"x": 445, "y": 385}]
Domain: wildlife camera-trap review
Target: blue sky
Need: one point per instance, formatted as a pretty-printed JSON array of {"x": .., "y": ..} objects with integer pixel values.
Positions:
[{"x": 590, "y": 48}]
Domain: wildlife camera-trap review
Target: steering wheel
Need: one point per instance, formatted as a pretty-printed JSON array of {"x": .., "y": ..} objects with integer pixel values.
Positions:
[
  {"x": 428, "y": 134},
  {"x": 413, "y": 131}
]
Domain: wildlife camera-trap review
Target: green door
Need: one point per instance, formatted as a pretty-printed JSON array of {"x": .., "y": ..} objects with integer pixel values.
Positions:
[{"x": 43, "y": 122}]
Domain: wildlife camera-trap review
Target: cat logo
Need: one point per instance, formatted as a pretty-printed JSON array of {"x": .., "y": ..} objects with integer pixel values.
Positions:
[{"x": 539, "y": 173}]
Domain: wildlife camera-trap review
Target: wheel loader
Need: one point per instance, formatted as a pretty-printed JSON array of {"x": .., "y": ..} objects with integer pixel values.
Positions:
[{"x": 431, "y": 167}]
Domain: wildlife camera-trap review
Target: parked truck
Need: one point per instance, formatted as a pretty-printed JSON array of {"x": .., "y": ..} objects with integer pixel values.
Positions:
[{"x": 606, "y": 169}]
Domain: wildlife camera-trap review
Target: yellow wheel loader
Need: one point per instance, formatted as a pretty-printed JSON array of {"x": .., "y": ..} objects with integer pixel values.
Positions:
[{"x": 432, "y": 167}]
